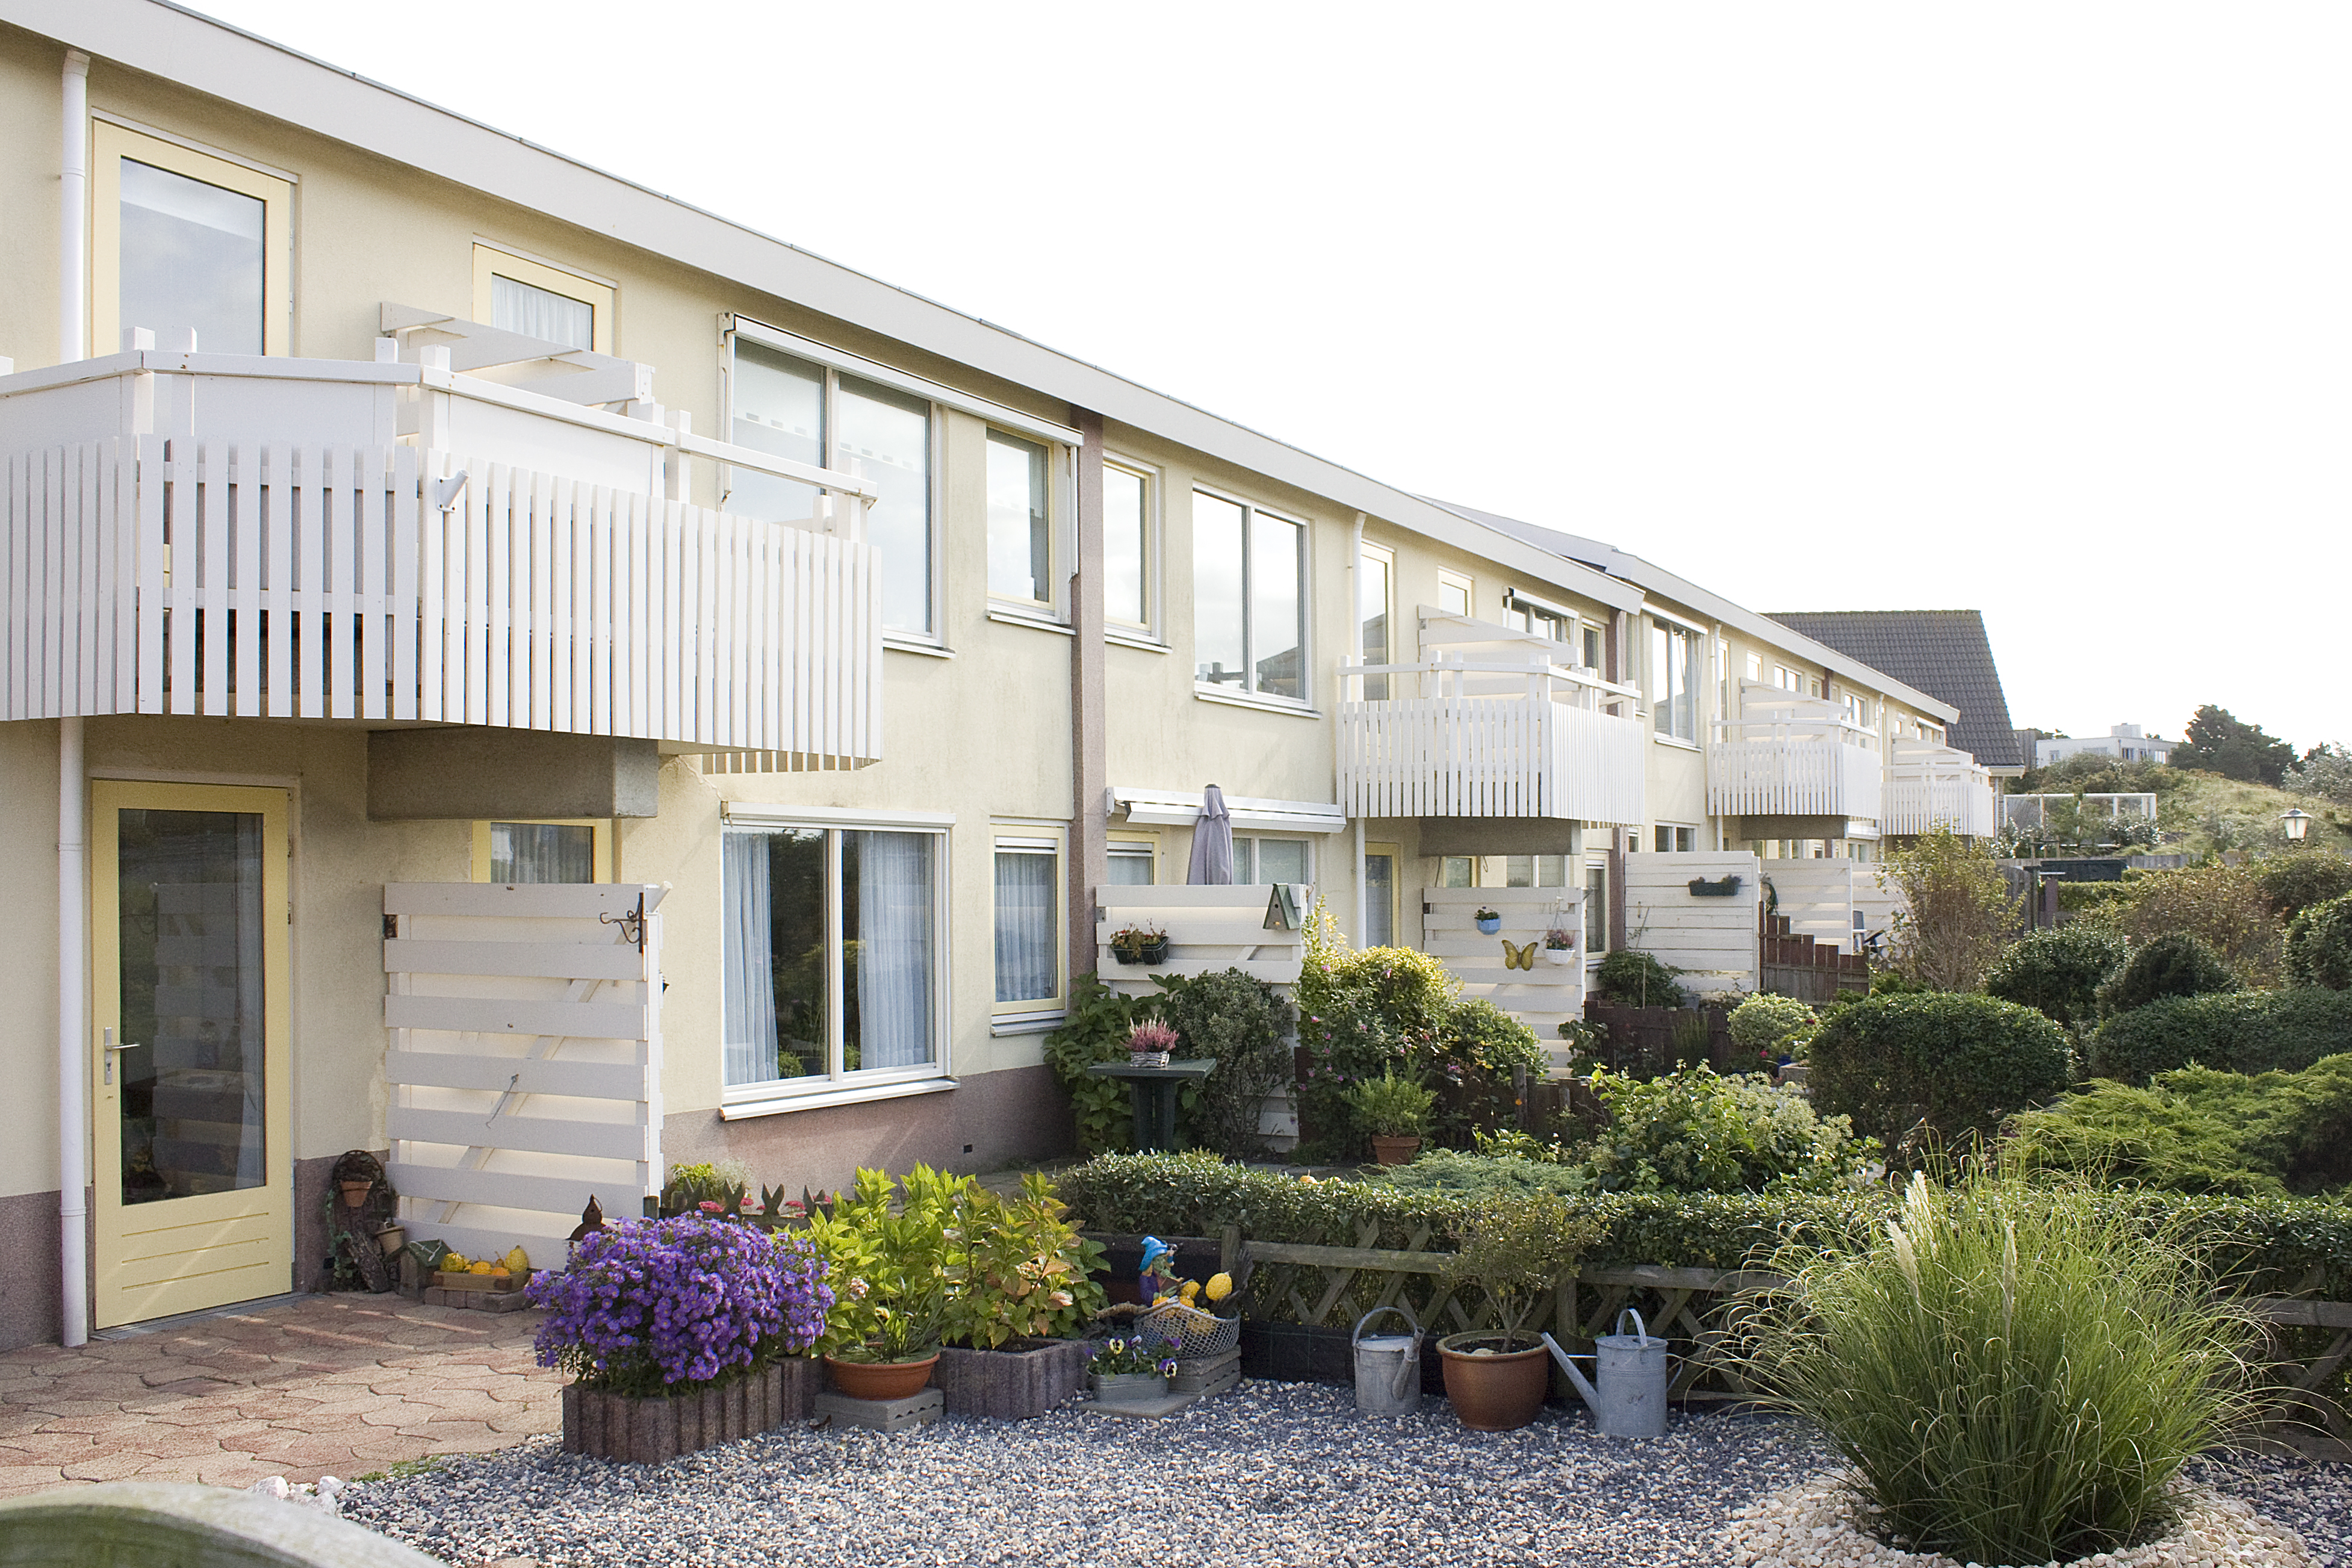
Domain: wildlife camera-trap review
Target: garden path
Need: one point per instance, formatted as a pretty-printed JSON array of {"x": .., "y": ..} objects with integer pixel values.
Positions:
[{"x": 324, "y": 1384}]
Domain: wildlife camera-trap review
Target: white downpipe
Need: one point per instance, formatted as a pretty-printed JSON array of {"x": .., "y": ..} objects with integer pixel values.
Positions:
[
  {"x": 1356, "y": 657},
  {"x": 73, "y": 817}
]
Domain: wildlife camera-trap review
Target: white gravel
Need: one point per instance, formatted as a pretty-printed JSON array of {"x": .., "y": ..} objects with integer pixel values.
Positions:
[{"x": 1272, "y": 1473}]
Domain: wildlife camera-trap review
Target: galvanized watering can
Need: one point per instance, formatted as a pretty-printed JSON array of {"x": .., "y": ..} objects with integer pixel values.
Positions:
[
  {"x": 1388, "y": 1367},
  {"x": 1630, "y": 1371}
]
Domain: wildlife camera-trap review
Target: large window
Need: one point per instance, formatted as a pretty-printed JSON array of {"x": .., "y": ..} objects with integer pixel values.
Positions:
[
  {"x": 1674, "y": 678},
  {"x": 832, "y": 941},
  {"x": 790, "y": 407},
  {"x": 1127, "y": 573},
  {"x": 184, "y": 241},
  {"x": 1249, "y": 612},
  {"x": 1028, "y": 924},
  {"x": 516, "y": 294},
  {"x": 1375, "y": 597},
  {"x": 1020, "y": 525},
  {"x": 1272, "y": 860}
]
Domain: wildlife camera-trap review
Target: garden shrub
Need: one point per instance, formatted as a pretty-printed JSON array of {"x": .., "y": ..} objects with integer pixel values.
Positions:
[
  {"x": 1915, "y": 1070},
  {"x": 1242, "y": 1023},
  {"x": 1475, "y": 1055},
  {"x": 2094, "y": 897},
  {"x": 2197, "y": 1129},
  {"x": 2319, "y": 946},
  {"x": 2261, "y": 1246},
  {"x": 2012, "y": 1375},
  {"x": 1344, "y": 1044},
  {"x": 1957, "y": 910},
  {"x": 2059, "y": 973},
  {"x": 2221, "y": 905},
  {"x": 1412, "y": 990},
  {"x": 1629, "y": 978},
  {"x": 1694, "y": 1132},
  {"x": 2244, "y": 1031},
  {"x": 2178, "y": 964},
  {"x": 2292, "y": 883},
  {"x": 1763, "y": 1023}
]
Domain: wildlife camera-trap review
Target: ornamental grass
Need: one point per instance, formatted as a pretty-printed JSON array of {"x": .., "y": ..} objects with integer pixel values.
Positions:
[{"x": 2013, "y": 1376}]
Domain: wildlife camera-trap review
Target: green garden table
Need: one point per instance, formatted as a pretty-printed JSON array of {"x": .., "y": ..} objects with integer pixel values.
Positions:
[{"x": 1154, "y": 1089}]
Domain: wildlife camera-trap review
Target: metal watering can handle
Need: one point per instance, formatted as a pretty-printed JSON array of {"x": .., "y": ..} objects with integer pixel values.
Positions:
[{"x": 1639, "y": 1327}]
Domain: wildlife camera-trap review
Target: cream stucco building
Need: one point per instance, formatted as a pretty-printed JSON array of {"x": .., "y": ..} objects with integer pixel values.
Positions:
[{"x": 395, "y": 508}]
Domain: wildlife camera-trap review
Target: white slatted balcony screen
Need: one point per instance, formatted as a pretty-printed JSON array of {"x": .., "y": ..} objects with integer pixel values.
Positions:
[
  {"x": 1489, "y": 757},
  {"x": 1543, "y": 994},
  {"x": 525, "y": 1069},
  {"x": 269, "y": 580},
  {"x": 1793, "y": 756},
  {"x": 1928, "y": 787}
]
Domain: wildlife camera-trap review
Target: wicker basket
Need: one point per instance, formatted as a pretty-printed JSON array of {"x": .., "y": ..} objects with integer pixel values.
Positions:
[{"x": 1193, "y": 1334}]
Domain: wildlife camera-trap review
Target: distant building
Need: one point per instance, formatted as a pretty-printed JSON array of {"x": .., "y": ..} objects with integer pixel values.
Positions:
[{"x": 2125, "y": 743}]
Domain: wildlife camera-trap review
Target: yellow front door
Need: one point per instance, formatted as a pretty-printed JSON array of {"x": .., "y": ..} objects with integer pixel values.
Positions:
[{"x": 194, "y": 1165}]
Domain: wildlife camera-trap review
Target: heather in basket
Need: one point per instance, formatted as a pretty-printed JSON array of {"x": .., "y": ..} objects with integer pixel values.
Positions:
[{"x": 667, "y": 1306}]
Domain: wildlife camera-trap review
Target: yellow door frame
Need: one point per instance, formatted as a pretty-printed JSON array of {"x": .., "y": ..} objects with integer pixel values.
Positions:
[{"x": 186, "y": 1254}]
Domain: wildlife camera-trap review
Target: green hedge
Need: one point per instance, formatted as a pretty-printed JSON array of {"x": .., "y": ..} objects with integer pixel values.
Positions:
[
  {"x": 2264, "y": 1245},
  {"x": 2244, "y": 1031},
  {"x": 1938, "y": 1067}
]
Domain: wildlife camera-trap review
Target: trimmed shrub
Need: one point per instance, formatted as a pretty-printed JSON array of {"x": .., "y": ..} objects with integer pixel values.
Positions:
[
  {"x": 2013, "y": 1377},
  {"x": 2290, "y": 883},
  {"x": 1629, "y": 978},
  {"x": 1694, "y": 1132},
  {"x": 2261, "y": 1246},
  {"x": 1241, "y": 1022},
  {"x": 1914, "y": 1070},
  {"x": 1763, "y": 1024},
  {"x": 2059, "y": 973},
  {"x": 2199, "y": 1130},
  {"x": 2244, "y": 1031},
  {"x": 2086, "y": 897},
  {"x": 1479, "y": 1048},
  {"x": 2221, "y": 905},
  {"x": 2319, "y": 946},
  {"x": 2178, "y": 964}
]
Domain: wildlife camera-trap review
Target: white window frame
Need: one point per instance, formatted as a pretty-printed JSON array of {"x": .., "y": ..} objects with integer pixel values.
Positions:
[
  {"x": 1149, "y": 842},
  {"x": 1693, "y": 671},
  {"x": 1679, "y": 830},
  {"x": 602, "y": 298},
  {"x": 1376, "y": 688},
  {"x": 775, "y": 1097},
  {"x": 1251, "y": 696},
  {"x": 601, "y": 853},
  {"x": 1253, "y": 839},
  {"x": 1059, "y": 459},
  {"x": 835, "y": 365},
  {"x": 1054, "y": 843},
  {"x": 112, "y": 140},
  {"x": 1152, "y": 630},
  {"x": 1448, "y": 578}
]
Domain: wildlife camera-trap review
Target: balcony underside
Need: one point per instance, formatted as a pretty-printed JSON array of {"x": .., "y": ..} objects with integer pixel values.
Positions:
[{"x": 1762, "y": 829}]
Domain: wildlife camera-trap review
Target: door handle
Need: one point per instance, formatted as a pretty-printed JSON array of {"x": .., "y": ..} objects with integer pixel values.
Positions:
[{"x": 114, "y": 1049}]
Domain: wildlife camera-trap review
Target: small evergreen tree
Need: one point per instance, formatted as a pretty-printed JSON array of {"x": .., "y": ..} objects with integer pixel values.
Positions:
[{"x": 2219, "y": 741}]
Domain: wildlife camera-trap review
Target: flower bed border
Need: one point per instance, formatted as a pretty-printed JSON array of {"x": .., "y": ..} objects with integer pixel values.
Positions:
[
  {"x": 1018, "y": 1381},
  {"x": 655, "y": 1429}
]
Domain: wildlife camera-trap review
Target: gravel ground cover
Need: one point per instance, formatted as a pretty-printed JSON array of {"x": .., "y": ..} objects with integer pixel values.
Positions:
[{"x": 1274, "y": 1473}]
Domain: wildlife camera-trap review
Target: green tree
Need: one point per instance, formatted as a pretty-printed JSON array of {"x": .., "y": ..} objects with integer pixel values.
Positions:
[
  {"x": 2326, "y": 772},
  {"x": 1956, "y": 911},
  {"x": 2219, "y": 741}
]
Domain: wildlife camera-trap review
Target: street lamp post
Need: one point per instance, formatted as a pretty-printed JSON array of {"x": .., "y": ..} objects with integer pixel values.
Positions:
[{"x": 2297, "y": 822}]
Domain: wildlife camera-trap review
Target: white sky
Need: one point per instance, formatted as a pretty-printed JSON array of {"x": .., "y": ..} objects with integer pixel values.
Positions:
[{"x": 2037, "y": 309}]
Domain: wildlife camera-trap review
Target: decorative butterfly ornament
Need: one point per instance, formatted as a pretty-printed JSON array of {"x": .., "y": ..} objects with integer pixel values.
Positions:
[{"x": 1518, "y": 957}]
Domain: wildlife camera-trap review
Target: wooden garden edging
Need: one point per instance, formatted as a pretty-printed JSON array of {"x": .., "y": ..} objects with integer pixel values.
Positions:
[{"x": 1273, "y": 1274}]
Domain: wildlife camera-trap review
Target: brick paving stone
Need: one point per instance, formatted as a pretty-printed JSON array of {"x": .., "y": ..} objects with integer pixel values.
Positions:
[{"x": 112, "y": 1467}]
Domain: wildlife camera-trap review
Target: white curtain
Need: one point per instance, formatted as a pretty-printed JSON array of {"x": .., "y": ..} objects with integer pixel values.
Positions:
[
  {"x": 1025, "y": 970},
  {"x": 894, "y": 948},
  {"x": 541, "y": 313},
  {"x": 748, "y": 964}
]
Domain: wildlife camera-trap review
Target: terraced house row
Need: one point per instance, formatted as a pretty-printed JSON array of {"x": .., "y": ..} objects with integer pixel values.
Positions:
[{"x": 505, "y": 670}]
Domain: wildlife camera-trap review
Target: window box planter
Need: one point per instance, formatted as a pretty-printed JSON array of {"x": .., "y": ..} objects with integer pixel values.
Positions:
[
  {"x": 1019, "y": 1380},
  {"x": 1127, "y": 1388},
  {"x": 655, "y": 1430}
]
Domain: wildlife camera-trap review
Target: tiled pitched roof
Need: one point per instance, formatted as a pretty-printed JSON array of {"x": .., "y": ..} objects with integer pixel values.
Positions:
[{"x": 1944, "y": 653}]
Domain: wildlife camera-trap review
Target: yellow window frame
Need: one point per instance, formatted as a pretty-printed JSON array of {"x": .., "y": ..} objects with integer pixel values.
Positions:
[
  {"x": 601, "y": 855},
  {"x": 489, "y": 262},
  {"x": 109, "y": 145},
  {"x": 1025, "y": 838}
]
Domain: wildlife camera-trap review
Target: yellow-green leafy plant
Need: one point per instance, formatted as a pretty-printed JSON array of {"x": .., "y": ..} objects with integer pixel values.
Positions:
[
  {"x": 1513, "y": 1247},
  {"x": 1019, "y": 1269},
  {"x": 888, "y": 1255},
  {"x": 1390, "y": 1107},
  {"x": 2013, "y": 1375}
]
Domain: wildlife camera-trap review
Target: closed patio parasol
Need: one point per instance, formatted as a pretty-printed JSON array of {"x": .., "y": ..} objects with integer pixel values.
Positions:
[{"x": 1213, "y": 842}]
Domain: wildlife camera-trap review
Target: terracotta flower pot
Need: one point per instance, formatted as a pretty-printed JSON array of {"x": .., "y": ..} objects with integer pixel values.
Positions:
[
  {"x": 1500, "y": 1392},
  {"x": 881, "y": 1379},
  {"x": 1388, "y": 1151},
  {"x": 355, "y": 1192}
]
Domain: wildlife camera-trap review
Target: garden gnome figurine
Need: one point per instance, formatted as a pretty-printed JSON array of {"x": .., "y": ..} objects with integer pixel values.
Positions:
[{"x": 1159, "y": 1276}]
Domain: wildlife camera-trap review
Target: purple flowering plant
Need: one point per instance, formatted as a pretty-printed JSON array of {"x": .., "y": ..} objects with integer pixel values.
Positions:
[{"x": 667, "y": 1306}]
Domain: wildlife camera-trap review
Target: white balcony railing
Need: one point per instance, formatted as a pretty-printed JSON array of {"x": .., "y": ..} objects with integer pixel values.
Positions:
[
  {"x": 186, "y": 533},
  {"x": 1792, "y": 757},
  {"x": 1929, "y": 787},
  {"x": 1496, "y": 737}
]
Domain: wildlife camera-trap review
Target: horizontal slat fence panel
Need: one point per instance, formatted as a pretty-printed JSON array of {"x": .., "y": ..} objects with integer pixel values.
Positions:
[
  {"x": 1208, "y": 928},
  {"x": 1712, "y": 939},
  {"x": 526, "y": 1060},
  {"x": 1489, "y": 757},
  {"x": 243, "y": 579},
  {"x": 1542, "y": 997}
]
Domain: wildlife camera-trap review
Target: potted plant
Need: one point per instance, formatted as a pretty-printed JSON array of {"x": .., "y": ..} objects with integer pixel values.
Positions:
[
  {"x": 1129, "y": 1370},
  {"x": 882, "y": 1339},
  {"x": 1150, "y": 1044},
  {"x": 1020, "y": 1291},
  {"x": 1513, "y": 1247},
  {"x": 1560, "y": 946},
  {"x": 1145, "y": 945},
  {"x": 1394, "y": 1112},
  {"x": 677, "y": 1334},
  {"x": 1489, "y": 920}
]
